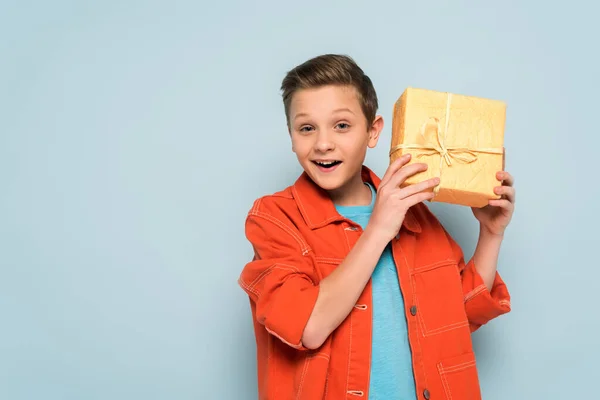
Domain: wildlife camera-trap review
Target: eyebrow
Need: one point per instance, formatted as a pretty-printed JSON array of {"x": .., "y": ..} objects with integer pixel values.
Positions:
[
  {"x": 343, "y": 109},
  {"x": 335, "y": 111}
]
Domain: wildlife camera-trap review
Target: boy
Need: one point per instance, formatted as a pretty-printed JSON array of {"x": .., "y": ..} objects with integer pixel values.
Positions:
[{"x": 356, "y": 290}]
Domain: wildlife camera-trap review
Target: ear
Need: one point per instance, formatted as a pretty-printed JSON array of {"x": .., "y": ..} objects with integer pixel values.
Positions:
[{"x": 375, "y": 130}]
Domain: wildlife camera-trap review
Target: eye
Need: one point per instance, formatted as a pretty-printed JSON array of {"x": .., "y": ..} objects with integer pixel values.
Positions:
[
  {"x": 306, "y": 128},
  {"x": 343, "y": 126}
]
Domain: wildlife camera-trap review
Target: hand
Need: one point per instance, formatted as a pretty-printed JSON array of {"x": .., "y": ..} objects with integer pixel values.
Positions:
[
  {"x": 495, "y": 217},
  {"x": 393, "y": 202}
]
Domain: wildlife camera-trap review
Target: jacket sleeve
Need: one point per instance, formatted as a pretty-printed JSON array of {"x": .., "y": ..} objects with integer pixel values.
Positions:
[
  {"x": 281, "y": 280},
  {"x": 481, "y": 305}
]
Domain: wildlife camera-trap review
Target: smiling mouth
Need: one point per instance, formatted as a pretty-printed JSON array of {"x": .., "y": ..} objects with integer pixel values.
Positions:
[{"x": 327, "y": 164}]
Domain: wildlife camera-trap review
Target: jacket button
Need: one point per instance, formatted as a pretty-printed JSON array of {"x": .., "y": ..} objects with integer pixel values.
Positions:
[
  {"x": 413, "y": 310},
  {"x": 426, "y": 394}
]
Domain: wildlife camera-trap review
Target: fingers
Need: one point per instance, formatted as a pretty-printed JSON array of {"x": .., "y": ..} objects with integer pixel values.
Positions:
[
  {"x": 418, "y": 198},
  {"x": 419, "y": 187},
  {"x": 502, "y": 203},
  {"x": 508, "y": 192},
  {"x": 506, "y": 178},
  {"x": 395, "y": 166},
  {"x": 405, "y": 172}
]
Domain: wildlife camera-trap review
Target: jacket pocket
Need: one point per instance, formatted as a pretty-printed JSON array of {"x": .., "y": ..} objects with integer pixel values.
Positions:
[
  {"x": 459, "y": 377},
  {"x": 439, "y": 298},
  {"x": 311, "y": 377}
]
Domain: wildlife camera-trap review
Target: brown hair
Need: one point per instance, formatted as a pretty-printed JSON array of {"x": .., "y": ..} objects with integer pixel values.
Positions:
[{"x": 330, "y": 69}]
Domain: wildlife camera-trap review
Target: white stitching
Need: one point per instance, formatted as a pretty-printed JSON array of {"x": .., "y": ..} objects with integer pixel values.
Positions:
[
  {"x": 320, "y": 355},
  {"x": 303, "y": 246},
  {"x": 256, "y": 205},
  {"x": 459, "y": 367},
  {"x": 479, "y": 289},
  {"x": 245, "y": 286},
  {"x": 299, "y": 201},
  {"x": 295, "y": 346},
  {"x": 350, "y": 323},
  {"x": 279, "y": 223},
  {"x": 349, "y": 350},
  {"x": 426, "y": 332},
  {"x": 347, "y": 242},
  {"x": 446, "y": 328},
  {"x": 306, "y": 362},
  {"x": 264, "y": 273},
  {"x": 328, "y": 260},
  {"x": 504, "y": 302},
  {"x": 361, "y": 307},
  {"x": 416, "y": 301},
  {"x": 444, "y": 381},
  {"x": 455, "y": 368},
  {"x": 334, "y": 218},
  {"x": 418, "y": 319},
  {"x": 434, "y": 265}
]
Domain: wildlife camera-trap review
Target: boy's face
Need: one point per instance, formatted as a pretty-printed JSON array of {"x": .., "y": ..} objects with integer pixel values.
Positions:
[{"x": 330, "y": 135}]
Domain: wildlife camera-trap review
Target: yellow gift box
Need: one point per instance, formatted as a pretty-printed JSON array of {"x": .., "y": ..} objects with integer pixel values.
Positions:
[{"x": 460, "y": 137}]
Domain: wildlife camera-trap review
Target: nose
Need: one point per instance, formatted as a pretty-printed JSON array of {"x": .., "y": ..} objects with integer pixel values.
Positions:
[{"x": 324, "y": 142}]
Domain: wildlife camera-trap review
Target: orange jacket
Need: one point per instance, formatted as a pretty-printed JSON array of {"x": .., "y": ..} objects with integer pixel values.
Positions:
[{"x": 298, "y": 239}]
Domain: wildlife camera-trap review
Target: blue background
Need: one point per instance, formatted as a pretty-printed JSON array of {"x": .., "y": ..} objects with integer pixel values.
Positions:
[{"x": 135, "y": 135}]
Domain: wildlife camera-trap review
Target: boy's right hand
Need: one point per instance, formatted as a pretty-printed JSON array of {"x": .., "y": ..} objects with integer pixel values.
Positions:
[{"x": 393, "y": 202}]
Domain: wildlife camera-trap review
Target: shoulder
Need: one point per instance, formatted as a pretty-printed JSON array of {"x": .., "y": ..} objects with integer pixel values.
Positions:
[
  {"x": 276, "y": 204},
  {"x": 276, "y": 218}
]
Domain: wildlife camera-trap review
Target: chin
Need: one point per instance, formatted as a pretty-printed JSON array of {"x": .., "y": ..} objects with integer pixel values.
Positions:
[
  {"x": 329, "y": 182},
  {"x": 328, "y": 185}
]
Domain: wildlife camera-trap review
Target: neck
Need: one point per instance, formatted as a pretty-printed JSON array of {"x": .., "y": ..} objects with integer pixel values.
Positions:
[{"x": 353, "y": 193}]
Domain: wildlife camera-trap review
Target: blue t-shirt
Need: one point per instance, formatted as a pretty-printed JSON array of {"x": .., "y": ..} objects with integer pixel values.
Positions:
[{"x": 391, "y": 361}]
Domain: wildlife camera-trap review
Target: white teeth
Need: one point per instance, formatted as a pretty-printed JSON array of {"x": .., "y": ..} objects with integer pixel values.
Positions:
[{"x": 325, "y": 162}]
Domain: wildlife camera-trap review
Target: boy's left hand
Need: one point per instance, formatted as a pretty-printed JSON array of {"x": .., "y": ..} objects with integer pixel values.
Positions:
[{"x": 495, "y": 217}]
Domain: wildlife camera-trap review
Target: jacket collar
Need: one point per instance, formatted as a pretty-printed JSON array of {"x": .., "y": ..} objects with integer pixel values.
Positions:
[{"x": 318, "y": 209}]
